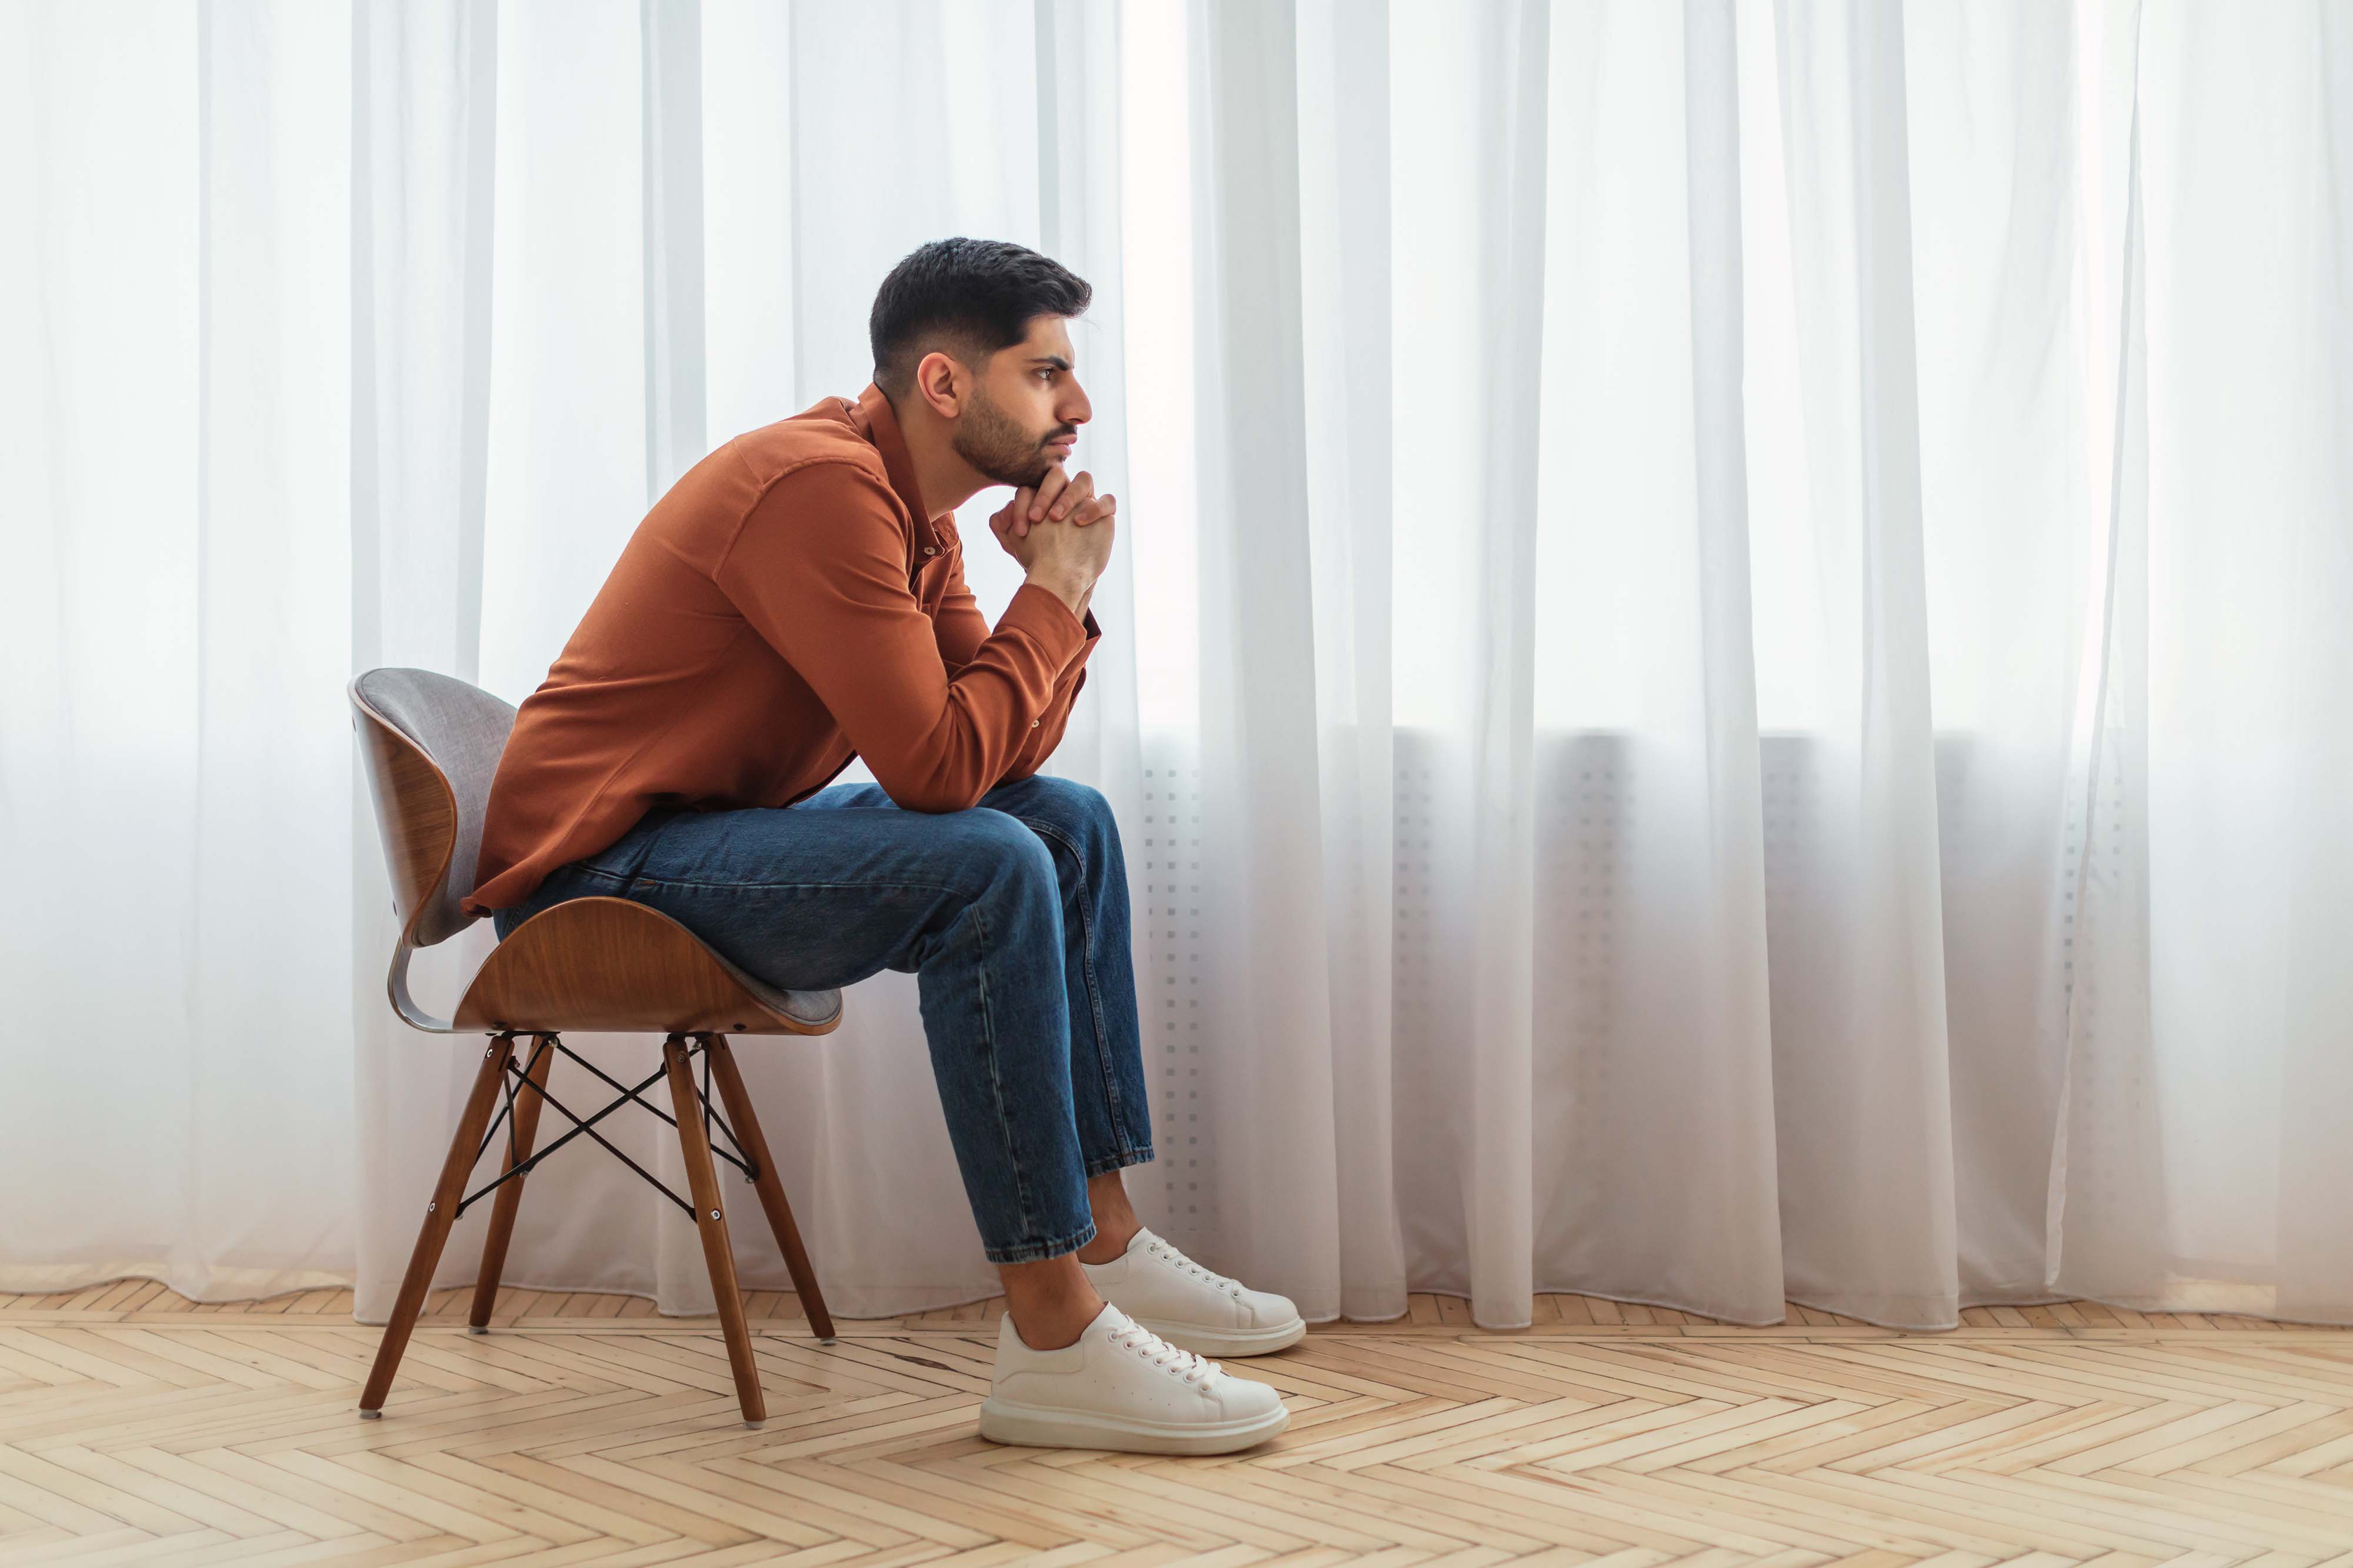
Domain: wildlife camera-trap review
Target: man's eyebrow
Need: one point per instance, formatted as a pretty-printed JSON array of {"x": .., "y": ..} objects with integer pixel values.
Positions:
[{"x": 1057, "y": 360}]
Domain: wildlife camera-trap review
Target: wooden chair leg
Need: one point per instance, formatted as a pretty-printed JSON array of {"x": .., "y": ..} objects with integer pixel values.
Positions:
[
  {"x": 509, "y": 1198},
  {"x": 439, "y": 1214},
  {"x": 702, "y": 1182},
  {"x": 770, "y": 1184}
]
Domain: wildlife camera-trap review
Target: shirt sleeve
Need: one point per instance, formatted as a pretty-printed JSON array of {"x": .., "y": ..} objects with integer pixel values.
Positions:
[
  {"x": 959, "y": 628},
  {"x": 1048, "y": 734},
  {"x": 821, "y": 570}
]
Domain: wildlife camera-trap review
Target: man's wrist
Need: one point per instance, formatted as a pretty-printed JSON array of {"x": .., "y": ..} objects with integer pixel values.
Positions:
[{"x": 1073, "y": 590}]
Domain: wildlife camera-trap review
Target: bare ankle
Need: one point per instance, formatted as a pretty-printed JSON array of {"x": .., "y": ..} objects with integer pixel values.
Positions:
[
  {"x": 1106, "y": 1246},
  {"x": 1115, "y": 1221},
  {"x": 1050, "y": 1301}
]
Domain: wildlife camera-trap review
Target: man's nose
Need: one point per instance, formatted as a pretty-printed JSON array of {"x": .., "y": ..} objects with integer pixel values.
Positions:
[{"x": 1077, "y": 410}]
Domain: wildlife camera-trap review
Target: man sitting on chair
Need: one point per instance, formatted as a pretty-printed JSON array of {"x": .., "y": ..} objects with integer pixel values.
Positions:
[{"x": 797, "y": 599}]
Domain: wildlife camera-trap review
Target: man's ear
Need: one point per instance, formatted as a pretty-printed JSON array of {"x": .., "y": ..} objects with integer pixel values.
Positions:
[{"x": 942, "y": 383}]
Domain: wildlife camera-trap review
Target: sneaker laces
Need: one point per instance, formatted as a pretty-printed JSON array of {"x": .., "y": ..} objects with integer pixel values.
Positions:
[
  {"x": 1194, "y": 1369},
  {"x": 1179, "y": 1260}
]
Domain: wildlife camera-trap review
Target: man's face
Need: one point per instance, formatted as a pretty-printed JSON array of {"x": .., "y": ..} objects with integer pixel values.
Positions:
[{"x": 1026, "y": 408}]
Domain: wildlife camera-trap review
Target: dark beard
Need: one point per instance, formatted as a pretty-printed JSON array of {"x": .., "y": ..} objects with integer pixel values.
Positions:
[{"x": 988, "y": 439}]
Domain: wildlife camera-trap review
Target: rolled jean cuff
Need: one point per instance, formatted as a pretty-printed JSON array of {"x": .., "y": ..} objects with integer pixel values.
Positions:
[
  {"x": 1104, "y": 1164},
  {"x": 1038, "y": 1251}
]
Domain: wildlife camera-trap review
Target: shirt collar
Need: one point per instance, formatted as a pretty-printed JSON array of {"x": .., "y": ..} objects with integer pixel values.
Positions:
[{"x": 871, "y": 416}]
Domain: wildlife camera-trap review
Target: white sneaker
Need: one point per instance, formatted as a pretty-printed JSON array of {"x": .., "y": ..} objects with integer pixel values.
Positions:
[
  {"x": 1186, "y": 1305},
  {"x": 1122, "y": 1386}
]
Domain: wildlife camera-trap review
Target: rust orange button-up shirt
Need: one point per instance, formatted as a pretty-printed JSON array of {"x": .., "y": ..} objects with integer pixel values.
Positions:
[{"x": 789, "y": 604}]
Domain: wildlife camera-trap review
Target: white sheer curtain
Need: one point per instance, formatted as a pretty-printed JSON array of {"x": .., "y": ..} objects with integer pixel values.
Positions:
[{"x": 1727, "y": 678}]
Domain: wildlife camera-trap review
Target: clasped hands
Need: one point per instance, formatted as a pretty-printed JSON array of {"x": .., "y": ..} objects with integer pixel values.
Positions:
[{"x": 1063, "y": 560}]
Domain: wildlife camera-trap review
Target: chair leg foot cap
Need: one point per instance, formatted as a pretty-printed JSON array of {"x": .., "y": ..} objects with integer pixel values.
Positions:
[
  {"x": 475, "y": 1329},
  {"x": 828, "y": 1341},
  {"x": 753, "y": 1425},
  {"x": 371, "y": 1415}
]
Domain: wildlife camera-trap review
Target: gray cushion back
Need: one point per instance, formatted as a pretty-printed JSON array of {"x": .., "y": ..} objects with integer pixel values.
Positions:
[{"x": 463, "y": 728}]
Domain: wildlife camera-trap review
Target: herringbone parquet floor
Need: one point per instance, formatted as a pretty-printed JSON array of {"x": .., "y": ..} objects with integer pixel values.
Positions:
[{"x": 136, "y": 1428}]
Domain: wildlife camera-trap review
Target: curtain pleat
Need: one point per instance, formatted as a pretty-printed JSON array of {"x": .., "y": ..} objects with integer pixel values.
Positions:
[
  {"x": 1350, "y": 419},
  {"x": 423, "y": 107}
]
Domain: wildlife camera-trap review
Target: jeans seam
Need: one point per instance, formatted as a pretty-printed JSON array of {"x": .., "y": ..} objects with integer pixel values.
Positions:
[
  {"x": 740, "y": 887},
  {"x": 997, "y": 1078},
  {"x": 1103, "y": 1069}
]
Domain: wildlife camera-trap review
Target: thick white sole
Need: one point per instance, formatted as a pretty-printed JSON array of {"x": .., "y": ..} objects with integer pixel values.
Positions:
[
  {"x": 1218, "y": 1343},
  {"x": 1042, "y": 1426}
]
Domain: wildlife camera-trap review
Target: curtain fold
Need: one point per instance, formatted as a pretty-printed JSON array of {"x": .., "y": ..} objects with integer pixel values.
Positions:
[
  {"x": 424, "y": 106},
  {"x": 1725, "y": 679},
  {"x": 2206, "y": 1032},
  {"x": 1861, "y": 1089},
  {"x": 1244, "y": 892},
  {"x": 2315, "y": 1278},
  {"x": 1350, "y": 419}
]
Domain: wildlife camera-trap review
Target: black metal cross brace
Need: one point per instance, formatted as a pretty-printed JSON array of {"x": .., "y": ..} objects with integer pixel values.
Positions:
[{"x": 587, "y": 1126}]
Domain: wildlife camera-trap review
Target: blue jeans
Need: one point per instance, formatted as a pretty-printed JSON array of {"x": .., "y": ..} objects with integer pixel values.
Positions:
[{"x": 1013, "y": 918}]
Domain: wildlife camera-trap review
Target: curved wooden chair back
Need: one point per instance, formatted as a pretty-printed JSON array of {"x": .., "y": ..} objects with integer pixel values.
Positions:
[{"x": 432, "y": 745}]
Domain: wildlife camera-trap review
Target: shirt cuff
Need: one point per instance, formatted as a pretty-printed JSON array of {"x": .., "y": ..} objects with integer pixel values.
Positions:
[{"x": 1045, "y": 619}]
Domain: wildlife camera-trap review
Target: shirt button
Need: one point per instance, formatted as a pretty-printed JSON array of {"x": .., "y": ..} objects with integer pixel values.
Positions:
[
  {"x": 930, "y": 550},
  {"x": 1033, "y": 723}
]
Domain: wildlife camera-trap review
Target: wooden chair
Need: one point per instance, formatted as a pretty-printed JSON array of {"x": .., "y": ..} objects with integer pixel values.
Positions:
[{"x": 431, "y": 745}]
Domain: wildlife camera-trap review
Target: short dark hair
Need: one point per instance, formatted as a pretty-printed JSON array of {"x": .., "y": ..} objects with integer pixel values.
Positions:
[{"x": 979, "y": 294}]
